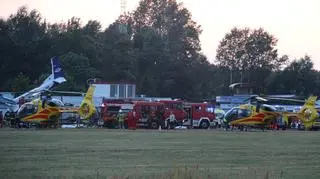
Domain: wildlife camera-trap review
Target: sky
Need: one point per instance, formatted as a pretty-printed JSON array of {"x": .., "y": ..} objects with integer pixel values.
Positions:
[{"x": 295, "y": 23}]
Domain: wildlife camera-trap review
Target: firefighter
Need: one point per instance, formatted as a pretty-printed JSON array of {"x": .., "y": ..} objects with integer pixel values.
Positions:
[
  {"x": 78, "y": 120},
  {"x": 219, "y": 115},
  {"x": 120, "y": 119},
  {"x": 10, "y": 117},
  {"x": 226, "y": 125},
  {"x": 172, "y": 120},
  {"x": 159, "y": 114}
]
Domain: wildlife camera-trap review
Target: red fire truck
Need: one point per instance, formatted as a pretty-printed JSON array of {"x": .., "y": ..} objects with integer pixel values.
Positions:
[
  {"x": 200, "y": 115},
  {"x": 152, "y": 114},
  {"x": 149, "y": 114},
  {"x": 110, "y": 109}
]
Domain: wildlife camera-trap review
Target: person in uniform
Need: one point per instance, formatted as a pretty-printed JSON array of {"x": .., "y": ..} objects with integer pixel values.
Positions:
[
  {"x": 121, "y": 119},
  {"x": 172, "y": 119},
  {"x": 219, "y": 113},
  {"x": 225, "y": 124}
]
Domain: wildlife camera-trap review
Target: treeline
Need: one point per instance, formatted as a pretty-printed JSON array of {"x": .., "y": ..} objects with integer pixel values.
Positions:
[{"x": 156, "y": 46}]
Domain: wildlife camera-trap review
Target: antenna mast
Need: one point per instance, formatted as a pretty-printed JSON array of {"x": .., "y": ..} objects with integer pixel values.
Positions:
[
  {"x": 123, "y": 6},
  {"x": 123, "y": 26}
]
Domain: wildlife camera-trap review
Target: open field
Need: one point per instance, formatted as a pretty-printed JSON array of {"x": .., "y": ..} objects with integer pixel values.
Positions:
[{"x": 97, "y": 153}]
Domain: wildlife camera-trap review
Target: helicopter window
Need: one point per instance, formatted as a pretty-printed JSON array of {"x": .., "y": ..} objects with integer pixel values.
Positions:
[
  {"x": 244, "y": 113},
  {"x": 219, "y": 115},
  {"x": 50, "y": 103},
  {"x": 267, "y": 108},
  {"x": 232, "y": 114},
  {"x": 27, "y": 109},
  {"x": 55, "y": 103}
]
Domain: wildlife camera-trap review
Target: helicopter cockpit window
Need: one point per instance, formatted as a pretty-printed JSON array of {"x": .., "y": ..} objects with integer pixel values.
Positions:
[
  {"x": 219, "y": 115},
  {"x": 232, "y": 114},
  {"x": 27, "y": 109},
  {"x": 268, "y": 108},
  {"x": 243, "y": 113},
  {"x": 55, "y": 103}
]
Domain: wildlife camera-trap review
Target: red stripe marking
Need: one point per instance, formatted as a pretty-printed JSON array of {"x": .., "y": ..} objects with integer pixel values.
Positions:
[
  {"x": 256, "y": 119},
  {"x": 38, "y": 116},
  {"x": 45, "y": 111},
  {"x": 54, "y": 109},
  {"x": 261, "y": 115}
]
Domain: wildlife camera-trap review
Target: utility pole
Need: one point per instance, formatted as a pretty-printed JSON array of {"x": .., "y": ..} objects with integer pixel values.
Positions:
[
  {"x": 123, "y": 6},
  {"x": 123, "y": 25}
]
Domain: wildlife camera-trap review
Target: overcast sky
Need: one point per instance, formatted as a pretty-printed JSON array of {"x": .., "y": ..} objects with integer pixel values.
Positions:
[{"x": 296, "y": 23}]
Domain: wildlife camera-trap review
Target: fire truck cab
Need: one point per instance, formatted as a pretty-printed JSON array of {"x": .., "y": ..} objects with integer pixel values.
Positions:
[
  {"x": 110, "y": 109},
  {"x": 200, "y": 115},
  {"x": 149, "y": 114}
]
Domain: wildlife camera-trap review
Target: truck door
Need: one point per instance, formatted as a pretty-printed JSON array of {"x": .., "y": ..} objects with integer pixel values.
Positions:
[
  {"x": 180, "y": 112},
  {"x": 188, "y": 117},
  {"x": 196, "y": 114}
]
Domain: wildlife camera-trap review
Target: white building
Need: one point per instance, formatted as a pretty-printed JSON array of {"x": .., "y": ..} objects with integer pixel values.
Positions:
[{"x": 115, "y": 90}]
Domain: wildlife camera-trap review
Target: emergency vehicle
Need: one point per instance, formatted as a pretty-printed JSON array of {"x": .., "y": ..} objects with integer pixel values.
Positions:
[
  {"x": 149, "y": 114},
  {"x": 200, "y": 115},
  {"x": 110, "y": 109},
  {"x": 152, "y": 114}
]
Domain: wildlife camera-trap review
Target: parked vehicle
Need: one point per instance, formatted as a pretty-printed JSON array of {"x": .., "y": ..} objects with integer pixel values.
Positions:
[{"x": 199, "y": 115}]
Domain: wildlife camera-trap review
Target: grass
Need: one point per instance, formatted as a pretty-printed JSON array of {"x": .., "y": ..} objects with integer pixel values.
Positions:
[{"x": 105, "y": 153}]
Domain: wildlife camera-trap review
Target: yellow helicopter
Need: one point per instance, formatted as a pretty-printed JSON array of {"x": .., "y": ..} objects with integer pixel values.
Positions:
[
  {"x": 49, "y": 113},
  {"x": 263, "y": 115}
]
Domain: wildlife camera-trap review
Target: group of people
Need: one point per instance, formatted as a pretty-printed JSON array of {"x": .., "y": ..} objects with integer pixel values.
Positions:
[
  {"x": 130, "y": 116},
  {"x": 131, "y": 121}
]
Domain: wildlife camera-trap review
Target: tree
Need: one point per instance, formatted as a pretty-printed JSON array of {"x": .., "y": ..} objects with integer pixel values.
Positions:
[
  {"x": 156, "y": 46},
  {"x": 79, "y": 71},
  {"x": 251, "y": 53},
  {"x": 298, "y": 77},
  {"x": 19, "y": 84},
  {"x": 23, "y": 40},
  {"x": 118, "y": 55},
  {"x": 176, "y": 49}
]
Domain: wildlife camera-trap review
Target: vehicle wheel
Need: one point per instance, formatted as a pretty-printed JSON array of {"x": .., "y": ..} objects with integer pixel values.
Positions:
[{"x": 204, "y": 124}]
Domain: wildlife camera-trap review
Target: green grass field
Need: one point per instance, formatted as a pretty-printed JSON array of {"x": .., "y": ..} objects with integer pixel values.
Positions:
[{"x": 101, "y": 153}]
